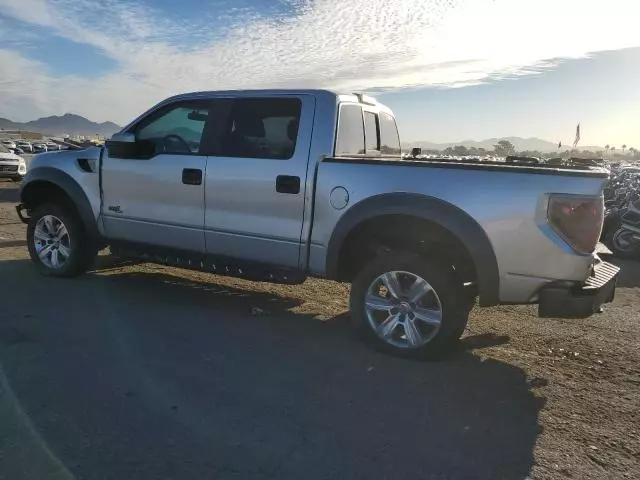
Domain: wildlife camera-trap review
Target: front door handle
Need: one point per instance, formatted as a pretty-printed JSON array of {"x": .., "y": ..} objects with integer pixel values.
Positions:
[
  {"x": 287, "y": 184},
  {"x": 192, "y": 176}
]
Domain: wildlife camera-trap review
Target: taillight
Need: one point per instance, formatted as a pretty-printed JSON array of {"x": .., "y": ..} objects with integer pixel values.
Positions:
[{"x": 577, "y": 219}]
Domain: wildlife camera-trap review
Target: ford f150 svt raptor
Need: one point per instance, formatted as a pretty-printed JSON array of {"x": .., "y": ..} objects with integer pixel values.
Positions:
[{"x": 279, "y": 185}]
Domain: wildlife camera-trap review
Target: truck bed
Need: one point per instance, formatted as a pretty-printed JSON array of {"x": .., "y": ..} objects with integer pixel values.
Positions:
[
  {"x": 566, "y": 170},
  {"x": 509, "y": 203}
]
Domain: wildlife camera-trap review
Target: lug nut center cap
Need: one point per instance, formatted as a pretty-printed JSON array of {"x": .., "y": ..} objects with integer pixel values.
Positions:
[{"x": 405, "y": 308}]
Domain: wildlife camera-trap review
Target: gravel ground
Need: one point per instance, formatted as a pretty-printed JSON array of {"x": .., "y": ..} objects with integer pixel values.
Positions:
[{"x": 141, "y": 371}]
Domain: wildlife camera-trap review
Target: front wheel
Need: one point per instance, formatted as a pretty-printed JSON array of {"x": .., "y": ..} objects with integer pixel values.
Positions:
[
  {"x": 57, "y": 243},
  {"x": 409, "y": 306}
]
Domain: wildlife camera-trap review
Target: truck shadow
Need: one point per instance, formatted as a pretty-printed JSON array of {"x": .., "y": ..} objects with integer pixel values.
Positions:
[
  {"x": 629, "y": 276},
  {"x": 304, "y": 398},
  {"x": 9, "y": 192}
]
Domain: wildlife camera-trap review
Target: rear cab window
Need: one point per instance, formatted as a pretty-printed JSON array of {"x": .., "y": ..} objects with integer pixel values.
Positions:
[
  {"x": 365, "y": 131},
  {"x": 350, "y": 136}
]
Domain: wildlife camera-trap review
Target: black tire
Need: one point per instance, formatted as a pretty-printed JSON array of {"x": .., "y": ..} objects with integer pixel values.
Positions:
[
  {"x": 454, "y": 302},
  {"x": 16, "y": 179},
  {"x": 82, "y": 250},
  {"x": 612, "y": 243}
]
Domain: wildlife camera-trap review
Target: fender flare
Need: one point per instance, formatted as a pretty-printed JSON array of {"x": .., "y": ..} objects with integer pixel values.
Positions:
[
  {"x": 67, "y": 184},
  {"x": 448, "y": 216}
]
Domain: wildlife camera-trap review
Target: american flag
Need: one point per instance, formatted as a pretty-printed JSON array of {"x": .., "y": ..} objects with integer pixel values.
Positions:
[{"x": 575, "y": 142}]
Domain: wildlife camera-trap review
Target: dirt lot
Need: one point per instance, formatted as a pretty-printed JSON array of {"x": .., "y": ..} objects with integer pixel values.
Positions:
[{"x": 140, "y": 371}]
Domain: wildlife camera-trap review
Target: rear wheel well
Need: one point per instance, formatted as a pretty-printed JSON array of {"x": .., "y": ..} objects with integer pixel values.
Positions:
[{"x": 386, "y": 233}]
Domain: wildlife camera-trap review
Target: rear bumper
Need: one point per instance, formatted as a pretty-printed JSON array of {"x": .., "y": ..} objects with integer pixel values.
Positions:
[{"x": 580, "y": 301}]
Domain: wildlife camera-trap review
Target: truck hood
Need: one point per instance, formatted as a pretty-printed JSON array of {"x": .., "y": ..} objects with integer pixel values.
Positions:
[
  {"x": 64, "y": 158},
  {"x": 9, "y": 158}
]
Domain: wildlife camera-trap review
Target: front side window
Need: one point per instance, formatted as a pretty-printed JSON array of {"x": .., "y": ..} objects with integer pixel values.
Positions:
[
  {"x": 389, "y": 139},
  {"x": 262, "y": 128},
  {"x": 350, "y": 136},
  {"x": 176, "y": 130}
]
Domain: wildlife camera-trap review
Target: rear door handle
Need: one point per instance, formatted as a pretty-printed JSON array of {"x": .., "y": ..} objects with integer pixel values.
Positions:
[
  {"x": 191, "y": 176},
  {"x": 287, "y": 184}
]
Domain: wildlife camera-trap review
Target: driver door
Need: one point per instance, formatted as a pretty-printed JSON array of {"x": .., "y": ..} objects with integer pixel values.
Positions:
[{"x": 157, "y": 198}]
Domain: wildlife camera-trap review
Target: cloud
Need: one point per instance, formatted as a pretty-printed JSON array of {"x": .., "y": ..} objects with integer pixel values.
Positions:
[{"x": 373, "y": 45}]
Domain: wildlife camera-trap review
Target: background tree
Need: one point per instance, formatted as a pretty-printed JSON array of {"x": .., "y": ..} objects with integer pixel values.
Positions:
[
  {"x": 504, "y": 148},
  {"x": 624, "y": 147},
  {"x": 460, "y": 150}
]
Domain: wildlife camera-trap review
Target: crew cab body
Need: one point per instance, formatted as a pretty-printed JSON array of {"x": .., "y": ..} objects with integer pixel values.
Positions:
[{"x": 279, "y": 185}]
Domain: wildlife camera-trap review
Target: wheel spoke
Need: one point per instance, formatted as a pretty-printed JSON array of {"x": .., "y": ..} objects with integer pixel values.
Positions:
[
  {"x": 44, "y": 253},
  {"x": 64, "y": 250},
  {"x": 387, "y": 327},
  {"x": 40, "y": 233},
  {"x": 374, "y": 302},
  {"x": 418, "y": 290},
  {"x": 55, "y": 259},
  {"x": 429, "y": 316},
  {"x": 413, "y": 334},
  {"x": 390, "y": 281},
  {"x": 61, "y": 231},
  {"x": 49, "y": 224}
]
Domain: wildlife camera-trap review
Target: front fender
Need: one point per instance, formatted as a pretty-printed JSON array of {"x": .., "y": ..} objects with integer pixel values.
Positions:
[
  {"x": 38, "y": 176},
  {"x": 448, "y": 216}
]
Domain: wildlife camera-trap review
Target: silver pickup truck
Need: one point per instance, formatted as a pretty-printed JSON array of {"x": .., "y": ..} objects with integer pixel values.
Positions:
[{"x": 280, "y": 185}]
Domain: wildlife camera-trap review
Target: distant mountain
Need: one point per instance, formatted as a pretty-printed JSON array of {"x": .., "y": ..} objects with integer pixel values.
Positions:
[
  {"x": 521, "y": 144},
  {"x": 66, "y": 124}
]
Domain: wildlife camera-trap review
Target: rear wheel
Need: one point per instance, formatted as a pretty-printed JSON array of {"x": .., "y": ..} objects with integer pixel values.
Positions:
[
  {"x": 622, "y": 242},
  {"x": 406, "y": 305},
  {"x": 57, "y": 243}
]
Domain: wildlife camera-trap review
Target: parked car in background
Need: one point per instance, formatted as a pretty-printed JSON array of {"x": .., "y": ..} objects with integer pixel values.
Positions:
[
  {"x": 17, "y": 151},
  {"x": 11, "y": 165},
  {"x": 26, "y": 146},
  {"x": 8, "y": 143},
  {"x": 281, "y": 185},
  {"x": 39, "y": 148}
]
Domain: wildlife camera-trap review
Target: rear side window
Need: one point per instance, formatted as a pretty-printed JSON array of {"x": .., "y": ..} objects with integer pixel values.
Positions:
[
  {"x": 350, "y": 137},
  {"x": 389, "y": 139},
  {"x": 371, "y": 132},
  {"x": 262, "y": 128}
]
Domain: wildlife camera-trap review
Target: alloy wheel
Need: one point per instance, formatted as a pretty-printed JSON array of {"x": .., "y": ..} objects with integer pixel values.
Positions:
[
  {"x": 52, "y": 242},
  {"x": 403, "y": 309}
]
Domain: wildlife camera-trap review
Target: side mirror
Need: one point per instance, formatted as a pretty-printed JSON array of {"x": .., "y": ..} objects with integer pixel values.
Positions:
[
  {"x": 124, "y": 145},
  {"x": 123, "y": 138}
]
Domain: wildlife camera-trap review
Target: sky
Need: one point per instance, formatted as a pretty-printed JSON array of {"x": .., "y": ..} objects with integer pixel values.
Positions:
[{"x": 452, "y": 70}]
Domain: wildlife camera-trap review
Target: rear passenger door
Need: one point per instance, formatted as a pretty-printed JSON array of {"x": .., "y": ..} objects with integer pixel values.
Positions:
[{"x": 255, "y": 178}]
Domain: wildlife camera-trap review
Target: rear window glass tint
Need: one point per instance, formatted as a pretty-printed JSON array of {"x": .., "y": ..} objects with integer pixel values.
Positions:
[
  {"x": 371, "y": 132},
  {"x": 350, "y": 138},
  {"x": 389, "y": 139}
]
